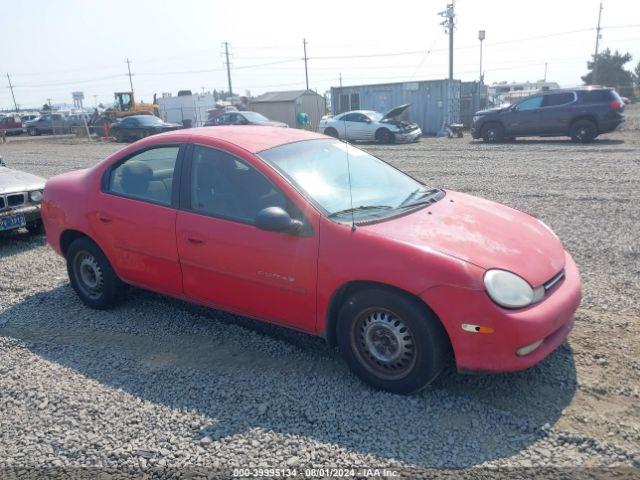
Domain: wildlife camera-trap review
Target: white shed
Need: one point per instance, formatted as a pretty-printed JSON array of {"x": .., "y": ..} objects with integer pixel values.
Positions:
[{"x": 285, "y": 107}]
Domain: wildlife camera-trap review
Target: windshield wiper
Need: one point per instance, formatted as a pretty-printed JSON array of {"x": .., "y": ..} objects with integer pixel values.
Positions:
[
  {"x": 418, "y": 193},
  {"x": 360, "y": 208}
]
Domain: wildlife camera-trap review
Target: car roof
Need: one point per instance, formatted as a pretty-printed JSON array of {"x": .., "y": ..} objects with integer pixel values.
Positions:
[{"x": 253, "y": 138}]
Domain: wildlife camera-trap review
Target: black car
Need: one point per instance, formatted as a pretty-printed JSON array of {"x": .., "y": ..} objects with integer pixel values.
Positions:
[
  {"x": 140, "y": 126},
  {"x": 242, "y": 118},
  {"x": 581, "y": 114}
]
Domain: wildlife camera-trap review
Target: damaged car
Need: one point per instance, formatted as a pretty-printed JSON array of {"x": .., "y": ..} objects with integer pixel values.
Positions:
[
  {"x": 20, "y": 196},
  {"x": 371, "y": 126}
]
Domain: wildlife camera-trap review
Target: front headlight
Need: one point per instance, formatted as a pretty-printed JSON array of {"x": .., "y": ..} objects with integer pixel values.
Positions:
[
  {"x": 509, "y": 290},
  {"x": 476, "y": 118},
  {"x": 35, "y": 196}
]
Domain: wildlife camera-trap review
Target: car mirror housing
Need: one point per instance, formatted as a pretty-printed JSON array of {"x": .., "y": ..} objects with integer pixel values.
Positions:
[{"x": 275, "y": 219}]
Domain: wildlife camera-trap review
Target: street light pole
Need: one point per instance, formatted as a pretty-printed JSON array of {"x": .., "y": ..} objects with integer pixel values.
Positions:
[{"x": 481, "y": 35}]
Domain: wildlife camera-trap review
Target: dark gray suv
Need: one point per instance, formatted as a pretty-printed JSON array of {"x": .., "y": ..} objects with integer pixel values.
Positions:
[{"x": 581, "y": 114}]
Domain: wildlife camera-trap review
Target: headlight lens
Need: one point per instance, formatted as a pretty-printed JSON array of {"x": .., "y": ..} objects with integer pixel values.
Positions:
[
  {"x": 509, "y": 290},
  {"x": 35, "y": 196},
  {"x": 475, "y": 118}
]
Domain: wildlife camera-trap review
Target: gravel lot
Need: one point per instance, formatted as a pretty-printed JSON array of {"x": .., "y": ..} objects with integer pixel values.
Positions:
[{"x": 167, "y": 388}]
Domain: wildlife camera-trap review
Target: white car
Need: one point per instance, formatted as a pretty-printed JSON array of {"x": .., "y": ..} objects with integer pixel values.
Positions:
[{"x": 370, "y": 125}]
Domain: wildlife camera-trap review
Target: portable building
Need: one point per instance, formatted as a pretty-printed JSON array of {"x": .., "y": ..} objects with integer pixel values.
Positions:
[
  {"x": 288, "y": 106},
  {"x": 433, "y": 102}
]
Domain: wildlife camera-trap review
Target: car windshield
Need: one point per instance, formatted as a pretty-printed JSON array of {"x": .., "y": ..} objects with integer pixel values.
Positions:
[
  {"x": 255, "y": 117},
  {"x": 149, "y": 120},
  {"x": 319, "y": 168}
]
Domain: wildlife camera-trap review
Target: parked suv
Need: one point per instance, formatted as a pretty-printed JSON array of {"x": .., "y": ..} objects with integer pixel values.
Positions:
[{"x": 581, "y": 114}]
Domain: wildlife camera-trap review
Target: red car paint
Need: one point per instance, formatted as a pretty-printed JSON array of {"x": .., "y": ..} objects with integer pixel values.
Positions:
[{"x": 439, "y": 254}]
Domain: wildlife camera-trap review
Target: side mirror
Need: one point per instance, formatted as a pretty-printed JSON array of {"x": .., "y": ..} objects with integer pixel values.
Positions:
[
  {"x": 275, "y": 219},
  {"x": 368, "y": 120}
]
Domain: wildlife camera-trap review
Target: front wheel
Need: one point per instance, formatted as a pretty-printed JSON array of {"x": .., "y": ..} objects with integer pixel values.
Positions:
[
  {"x": 92, "y": 276},
  {"x": 385, "y": 136},
  {"x": 493, "y": 133},
  {"x": 332, "y": 132},
  {"x": 391, "y": 341},
  {"x": 32, "y": 132}
]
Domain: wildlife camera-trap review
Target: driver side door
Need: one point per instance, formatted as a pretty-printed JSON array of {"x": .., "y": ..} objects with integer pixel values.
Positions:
[
  {"x": 229, "y": 263},
  {"x": 525, "y": 117}
]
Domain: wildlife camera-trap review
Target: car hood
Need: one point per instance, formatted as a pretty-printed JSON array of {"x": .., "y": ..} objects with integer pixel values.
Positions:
[
  {"x": 492, "y": 110},
  {"x": 393, "y": 113},
  {"x": 481, "y": 232},
  {"x": 17, "y": 181}
]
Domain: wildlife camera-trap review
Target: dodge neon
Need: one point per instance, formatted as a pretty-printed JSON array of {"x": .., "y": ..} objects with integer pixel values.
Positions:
[{"x": 306, "y": 231}]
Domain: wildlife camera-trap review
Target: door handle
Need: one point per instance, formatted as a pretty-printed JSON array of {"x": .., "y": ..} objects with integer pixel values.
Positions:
[
  {"x": 104, "y": 218},
  {"x": 195, "y": 240}
]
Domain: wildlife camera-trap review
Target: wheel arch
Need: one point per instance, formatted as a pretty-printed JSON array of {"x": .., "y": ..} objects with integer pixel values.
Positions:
[
  {"x": 343, "y": 292},
  {"x": 68, "y": 236},
  {"x": 588, "y": 117}
]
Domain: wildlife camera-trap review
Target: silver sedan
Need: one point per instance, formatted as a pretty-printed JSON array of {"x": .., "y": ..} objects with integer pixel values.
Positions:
[
  {"x": 20, "y": 197},
  {"x": 370, "y": 125}
]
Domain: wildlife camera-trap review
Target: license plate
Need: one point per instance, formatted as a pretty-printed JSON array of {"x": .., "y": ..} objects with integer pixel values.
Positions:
[{"x": 13, "y": 221}]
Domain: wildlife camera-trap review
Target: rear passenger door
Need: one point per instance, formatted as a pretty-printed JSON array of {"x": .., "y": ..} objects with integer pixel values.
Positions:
[
  {"x": 135, "y": 215},
  {"x": 556, "y": 113}
]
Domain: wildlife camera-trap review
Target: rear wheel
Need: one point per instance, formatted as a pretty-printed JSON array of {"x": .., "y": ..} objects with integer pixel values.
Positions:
[
  {"x": 92, "y": 276},
  {"x": 332, "y": 132},
  {"x": 32, "y": 132},
  {"x": 383, "y": 135},
  {"x": 492, "y": 133},
  {"x": 120, "y": 138},
  {"x": 391, "y": 341},
  {"x": 583, "y": 131}
]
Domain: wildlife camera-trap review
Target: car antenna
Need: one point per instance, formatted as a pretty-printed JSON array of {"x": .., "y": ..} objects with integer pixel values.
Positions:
[{"x": 346, "y": 149}]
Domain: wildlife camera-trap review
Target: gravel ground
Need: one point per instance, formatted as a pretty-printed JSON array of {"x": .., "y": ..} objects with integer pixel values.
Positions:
[{"x": 165, "y": 388}]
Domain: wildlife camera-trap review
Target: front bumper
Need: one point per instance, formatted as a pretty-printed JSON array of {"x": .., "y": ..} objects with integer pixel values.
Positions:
[
  {"x": 408, "y": 137},
  {"x": 551, "y": 320},
  {"x": 31, "y": 215}
]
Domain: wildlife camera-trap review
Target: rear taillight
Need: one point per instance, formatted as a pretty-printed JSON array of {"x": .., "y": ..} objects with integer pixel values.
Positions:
[{"x": 616, "y": 105}]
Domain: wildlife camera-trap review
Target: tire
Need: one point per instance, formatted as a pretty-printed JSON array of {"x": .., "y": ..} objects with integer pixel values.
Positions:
[
  {"x": 145, "y": 134},
  {"x": 391, "y": 341},
  {"x": 92, "y": 276},
  {"x": 384, "y": 136},
  {"x": 32, "y": 132},
  {"x": 492, "y": 133},
  {"x": 583, "y": 131},
  {"x": 332, "y": 132},
  {"x": 120, "y": 137},
  {"x": 36, "y": 228}
]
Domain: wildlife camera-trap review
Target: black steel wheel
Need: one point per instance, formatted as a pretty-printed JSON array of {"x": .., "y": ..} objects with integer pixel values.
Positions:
[
  {"x": 92, "y": 276},
  {"x": 383, "y": 135},
  {"x": 391, "y": 340}
]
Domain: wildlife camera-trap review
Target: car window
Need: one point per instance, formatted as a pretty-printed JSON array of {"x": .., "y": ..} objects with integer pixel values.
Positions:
[
  {"x": 222, "y": 119},
  {"x": 530, "y": 103},
  {"x": 223, "y": 186},
  {"x": 146, "y": 176},
  {"x": 554, "y": 99},
  {"x": 354, "y": 117},
  {"x": 595, "y": 96}
]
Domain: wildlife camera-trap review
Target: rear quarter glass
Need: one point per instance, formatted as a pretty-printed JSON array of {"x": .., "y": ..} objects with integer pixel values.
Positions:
[{"x": 599, "y": 96}]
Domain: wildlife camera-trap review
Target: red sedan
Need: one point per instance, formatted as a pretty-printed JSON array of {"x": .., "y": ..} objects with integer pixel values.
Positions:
[{"x": 306, "y": 231}]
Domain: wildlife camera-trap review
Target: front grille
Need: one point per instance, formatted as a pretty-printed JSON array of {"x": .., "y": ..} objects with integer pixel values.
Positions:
[
  {"x": 549, "y": 284},
  {"x": 15, "y": 199}
]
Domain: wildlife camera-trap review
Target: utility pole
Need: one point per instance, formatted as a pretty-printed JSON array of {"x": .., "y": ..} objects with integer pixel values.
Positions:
[
  {"x": 129, "y": 69},
  {"x": 226, "y": 53},
  {"x": 481, "y": 36},
  {"x": 595, "y": 56},
  {"x": 12, "y": 94},
  {"x": 449, "y": 24},
  {"x": 306, "y": 72},
  {"x": 340, "y": 79},
  {"x": 545, "y": 71}
]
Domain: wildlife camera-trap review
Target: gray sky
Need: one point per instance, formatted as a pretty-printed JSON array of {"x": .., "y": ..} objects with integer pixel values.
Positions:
[{"x": 52, "y": 48}]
